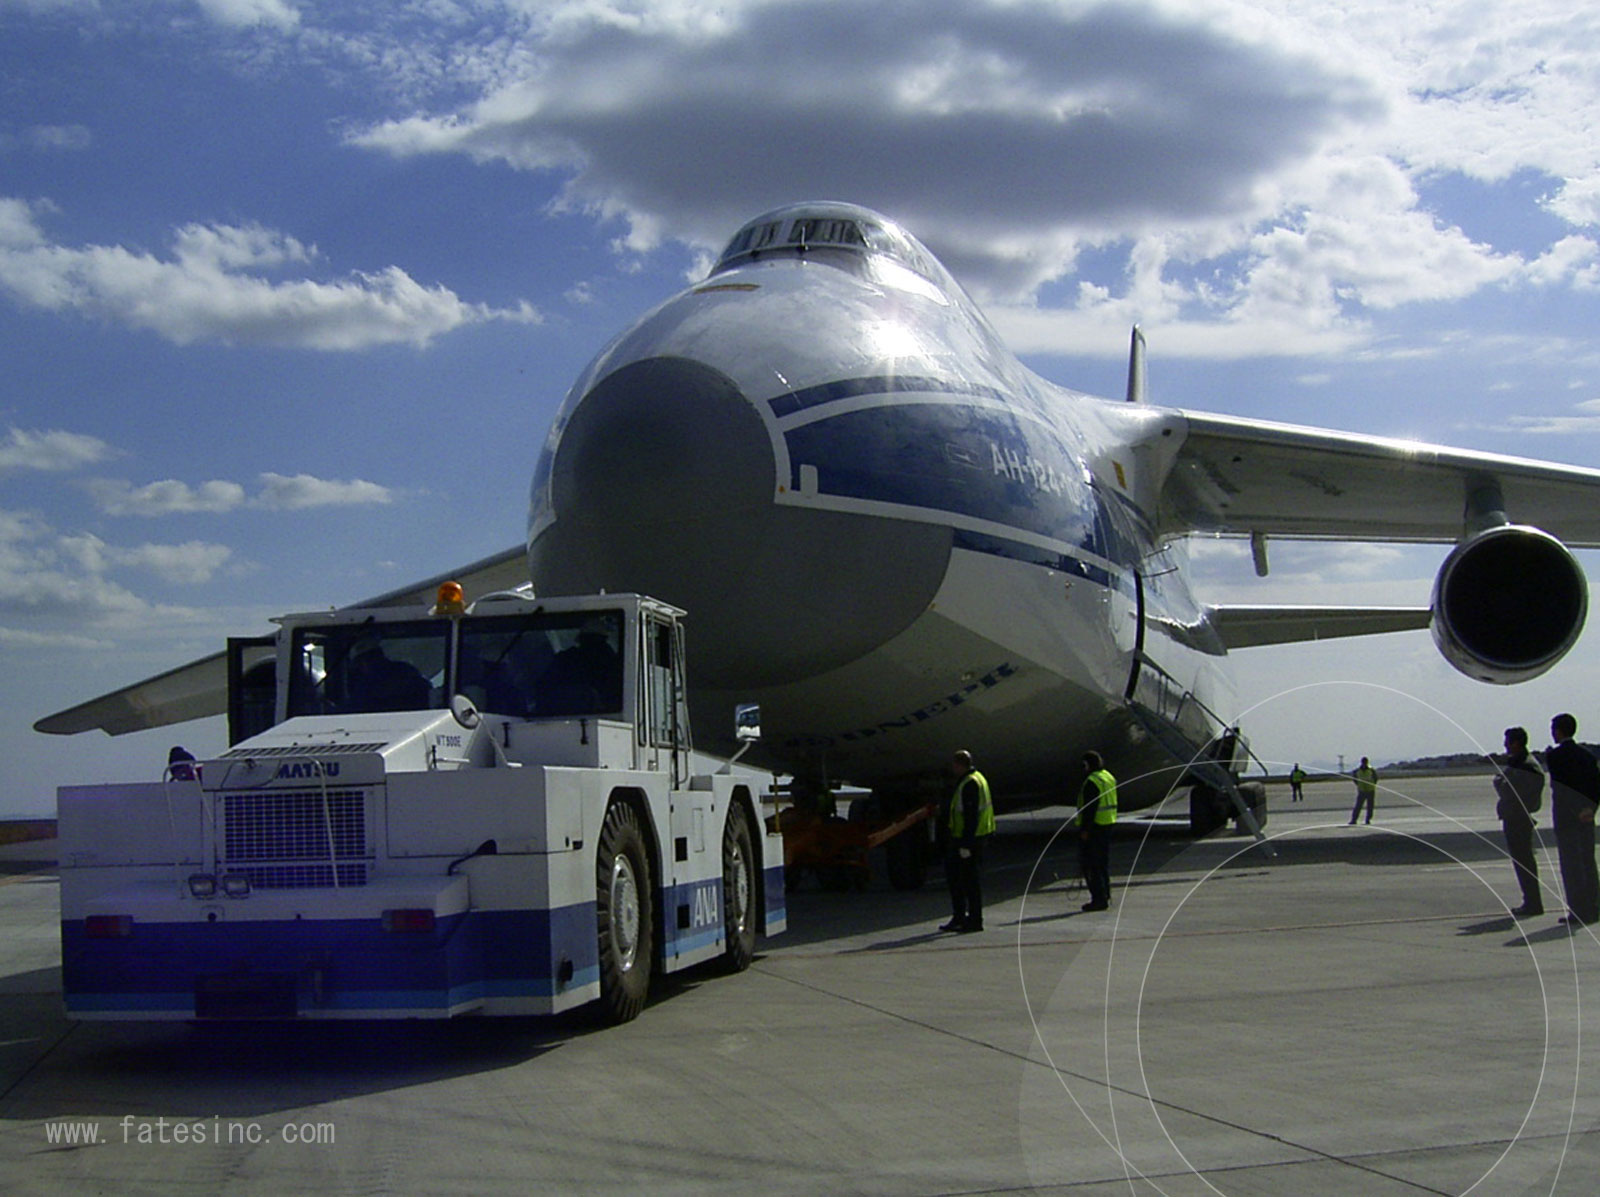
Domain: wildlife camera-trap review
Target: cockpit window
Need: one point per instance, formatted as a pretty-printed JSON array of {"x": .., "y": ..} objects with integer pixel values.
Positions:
[
  {"x": 809, "y": 230},
  {"x": 795, "y": 233},
  {"x": 824, "y": 232},
  {"x": 753, "y": 238}
]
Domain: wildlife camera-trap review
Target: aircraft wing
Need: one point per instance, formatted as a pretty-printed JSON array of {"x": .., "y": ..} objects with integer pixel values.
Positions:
[
  {"x": 190, "y": 691},
  {"x": 1239, "y": 476},
  {"x": 1246, "y": 626},
  {"x": 200, "y": 688}
]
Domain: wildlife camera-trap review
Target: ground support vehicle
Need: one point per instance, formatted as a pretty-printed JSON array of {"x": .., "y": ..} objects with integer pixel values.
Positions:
[
  {"x": 425, "y": 814},
  {"x": 835, "y": 849}
]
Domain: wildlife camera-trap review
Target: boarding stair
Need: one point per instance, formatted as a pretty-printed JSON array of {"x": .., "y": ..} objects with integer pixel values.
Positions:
[{"x": 1170, "y": 714}]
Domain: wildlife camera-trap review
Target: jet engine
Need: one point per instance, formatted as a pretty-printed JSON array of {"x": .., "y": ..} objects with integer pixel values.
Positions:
[{"x": 1508, "y": 603}]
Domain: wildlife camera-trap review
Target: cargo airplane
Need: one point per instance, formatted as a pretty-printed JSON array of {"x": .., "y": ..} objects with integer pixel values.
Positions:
[{"x": 898, "y": 540}]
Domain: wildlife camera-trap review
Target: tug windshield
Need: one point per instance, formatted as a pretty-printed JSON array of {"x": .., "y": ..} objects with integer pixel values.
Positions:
[
  {"x": 529, "y": 666},
  {"x": 352, "y": 668},
  {"x": 538, "y": 666}
]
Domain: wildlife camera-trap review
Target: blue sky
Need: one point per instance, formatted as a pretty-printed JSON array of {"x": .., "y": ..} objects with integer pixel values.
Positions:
[{"x": 290, "y": 291}]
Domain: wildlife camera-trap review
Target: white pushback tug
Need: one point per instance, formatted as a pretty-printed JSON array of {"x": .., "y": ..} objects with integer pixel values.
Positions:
[{"x": 494, "y": 810}]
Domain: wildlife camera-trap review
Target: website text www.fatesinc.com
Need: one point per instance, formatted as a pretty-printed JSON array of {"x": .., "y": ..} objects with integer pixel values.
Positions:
[{"x": 185, "y": 1132}]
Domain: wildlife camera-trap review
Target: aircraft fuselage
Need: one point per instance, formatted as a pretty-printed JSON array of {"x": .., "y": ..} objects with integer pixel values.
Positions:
[{"x": 887, "y": 531}]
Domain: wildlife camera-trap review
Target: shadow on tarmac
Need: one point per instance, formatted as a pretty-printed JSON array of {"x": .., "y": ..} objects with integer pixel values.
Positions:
[
  {"x": 1029, "y": 857},
  {"x": 235, "y": 1070}
]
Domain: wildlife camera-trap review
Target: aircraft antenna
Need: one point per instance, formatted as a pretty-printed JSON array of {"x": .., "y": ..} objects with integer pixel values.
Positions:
[{"x": 1136, "y": 366}]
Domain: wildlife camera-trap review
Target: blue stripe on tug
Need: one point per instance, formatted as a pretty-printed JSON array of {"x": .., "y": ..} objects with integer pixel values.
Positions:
[
  {"x": 330, "y": 967},
  {"x": 344, "y": 966},
  {"x": 776, "y": 898}
]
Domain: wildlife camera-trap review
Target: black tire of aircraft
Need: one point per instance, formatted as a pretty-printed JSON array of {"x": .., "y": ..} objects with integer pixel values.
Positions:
[
  {"x": 1208, "y": 810},
  {"x": 905, "y": 858}
]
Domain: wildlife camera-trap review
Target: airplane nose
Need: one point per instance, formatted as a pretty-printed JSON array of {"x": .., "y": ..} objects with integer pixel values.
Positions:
[
  {"x": 664, "y": 481},
  {"x": 661, "y": 442}
]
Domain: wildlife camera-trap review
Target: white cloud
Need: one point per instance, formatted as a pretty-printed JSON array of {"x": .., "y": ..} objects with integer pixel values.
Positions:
[
  {"x": 22, "y": 638},
  {"x": 1308, "y": 573},
  {"x": 246, "y": 13},
  {"x": 277, "y": 492},
  {"x": 59, "y": 584},
  {"x": 1492, "y": 88},
  {"x": 214, "y": 288},
  {"x": 1088, "y": 119},
  {"x": 1264, "y": 158},
  {"x": 190, "y": 563},
  {"x": 54, "y": 450},
  {"x": 1578, "y": 201},
  {"x": 1269, "y": 151},
  {"x": 167, "y": 497},
  {"x": 1365, "y": 241},
  {"x": 1584, "y": 418},
  {"x": 223, "y": 247},
  {"x": 283, "y": 493},
  {"x": 48, "y": 138},
  {"x": 1573, "y": 261}
]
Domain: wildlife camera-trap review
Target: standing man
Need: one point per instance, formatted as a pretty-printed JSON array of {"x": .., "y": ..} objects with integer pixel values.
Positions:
[
  {"x": 1097, "y": 814},
  {"x": 1366, "y": 790},
  {"x": 1297, "y": 781},
  {"x": 971, "y": 823},
  {"x": 1574, "y": 795},
  {"x": 1519, "y": 783}
]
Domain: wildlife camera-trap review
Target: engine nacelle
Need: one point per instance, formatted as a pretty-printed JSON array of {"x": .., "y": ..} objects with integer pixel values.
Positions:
[{"x": 1508, "y": 604}]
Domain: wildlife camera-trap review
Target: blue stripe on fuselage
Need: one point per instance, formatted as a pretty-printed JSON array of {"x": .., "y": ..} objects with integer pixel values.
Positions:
[
  {"x": 979, "y": 460},
  {"x": 882, "y": 384}
]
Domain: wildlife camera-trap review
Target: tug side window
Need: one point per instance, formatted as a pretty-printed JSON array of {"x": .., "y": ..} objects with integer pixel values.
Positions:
[{"x": 665, "y": 728}]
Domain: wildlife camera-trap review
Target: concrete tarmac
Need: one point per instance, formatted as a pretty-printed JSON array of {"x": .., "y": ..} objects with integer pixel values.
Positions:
[{"x": 1357, "y": 1015}]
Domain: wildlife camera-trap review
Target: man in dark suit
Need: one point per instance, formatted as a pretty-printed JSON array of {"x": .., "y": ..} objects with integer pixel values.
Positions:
[{"x": 1574, "y": 797}]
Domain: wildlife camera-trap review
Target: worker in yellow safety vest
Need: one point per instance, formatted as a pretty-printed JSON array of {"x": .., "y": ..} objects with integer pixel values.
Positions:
[
  {"x": 1097, "y": 814},
  {"x": 1366, "y": 779},
  {"x": 971, "y": 822}
]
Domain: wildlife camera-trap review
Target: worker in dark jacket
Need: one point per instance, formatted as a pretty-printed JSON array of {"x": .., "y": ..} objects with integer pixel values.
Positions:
[
  {"x": 1097, "y": 815},
  {"x": 1518, "y": 784},
  {"x": 1574, "y": 797},
  {"x": 970, "y": 824}
]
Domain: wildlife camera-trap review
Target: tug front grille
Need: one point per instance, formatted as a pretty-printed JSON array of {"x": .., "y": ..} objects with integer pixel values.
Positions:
[{"x": 295, "y": 839}]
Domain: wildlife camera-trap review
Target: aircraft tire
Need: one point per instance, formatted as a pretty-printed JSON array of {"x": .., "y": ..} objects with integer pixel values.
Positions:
[
  {"x": 739, "y": 904},
  {"x": 1207, "y": 810},
  {"x": 905, "y": 859},
  {"x": 624, "y": 914}
]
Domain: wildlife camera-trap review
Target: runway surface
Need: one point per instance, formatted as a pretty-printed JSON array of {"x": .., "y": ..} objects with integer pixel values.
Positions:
[{"x": 1357, "y": 1015}]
